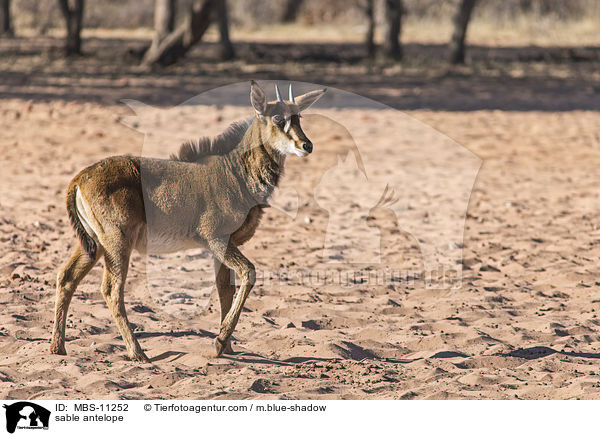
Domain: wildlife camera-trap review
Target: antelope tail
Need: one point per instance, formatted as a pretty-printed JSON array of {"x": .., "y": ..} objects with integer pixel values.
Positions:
[{"x": 87, "y": 242}]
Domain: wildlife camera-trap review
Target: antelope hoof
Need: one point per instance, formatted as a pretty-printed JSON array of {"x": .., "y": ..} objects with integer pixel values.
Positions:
[
  {"x": 139, "y": 357},
  {"x": 58, "y": 349},
  {"x": 223, "y": 347}
]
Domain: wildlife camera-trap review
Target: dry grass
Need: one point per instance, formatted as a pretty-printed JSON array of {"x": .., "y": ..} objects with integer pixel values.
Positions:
[{"x": 522, "y": 32}]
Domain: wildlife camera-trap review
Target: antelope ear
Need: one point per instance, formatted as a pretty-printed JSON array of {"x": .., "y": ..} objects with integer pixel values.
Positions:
[
  {"x": 258, "y": 98},
  {"x": 305, "y": 101}
]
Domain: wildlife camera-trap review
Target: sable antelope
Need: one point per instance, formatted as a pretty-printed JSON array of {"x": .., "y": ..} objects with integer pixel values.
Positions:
[{"x": 210, "y": 195}]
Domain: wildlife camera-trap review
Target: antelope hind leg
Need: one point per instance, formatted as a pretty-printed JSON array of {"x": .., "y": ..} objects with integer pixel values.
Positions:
[{"x": 76, "y": 268}]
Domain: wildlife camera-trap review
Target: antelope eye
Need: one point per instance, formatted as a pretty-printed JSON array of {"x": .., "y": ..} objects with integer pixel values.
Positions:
[{"x": 278, "y": 120}]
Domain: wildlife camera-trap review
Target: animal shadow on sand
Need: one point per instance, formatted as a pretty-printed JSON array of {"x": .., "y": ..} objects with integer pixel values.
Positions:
[
  {"x": 174, "y": 334},
  {"x": 532, "y": 353},
  {"x": 346, "y": 351}
]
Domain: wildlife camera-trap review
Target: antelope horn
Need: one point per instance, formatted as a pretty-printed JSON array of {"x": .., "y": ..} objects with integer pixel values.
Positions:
[
  {"x": 279, "y": 99},
  {"x": 291, "y": 97}
]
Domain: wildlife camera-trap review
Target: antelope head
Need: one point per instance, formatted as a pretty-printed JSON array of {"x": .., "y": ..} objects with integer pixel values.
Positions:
[{"x": 280, "y": 119}]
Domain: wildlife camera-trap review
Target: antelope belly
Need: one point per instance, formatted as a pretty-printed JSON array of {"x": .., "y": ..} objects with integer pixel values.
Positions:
[{"x": 163, "y": 244}]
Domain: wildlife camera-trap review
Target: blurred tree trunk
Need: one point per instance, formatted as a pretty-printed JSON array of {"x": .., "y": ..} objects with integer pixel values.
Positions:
[
  {"x": 369, "y": 37},
  {"x": 164, "y": 22},
  {"x": 5, "y": 25},
  {"x": 393, "y": 27},
  {"x": 177, "y": 43},
  {"x": 74, "y": 19},
  {"x": 461, "y": 22},
  {"x": 290, "y": 12},
  {"x": 227, "y": 51},
  {"x": 164, "y": 19}
]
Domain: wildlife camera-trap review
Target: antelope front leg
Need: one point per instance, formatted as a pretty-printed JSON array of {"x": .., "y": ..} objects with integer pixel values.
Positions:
[
  {"x": 248, "y": 277},
  {"x": 229, "y": 254},
  {"x": 225, "y": 282}
]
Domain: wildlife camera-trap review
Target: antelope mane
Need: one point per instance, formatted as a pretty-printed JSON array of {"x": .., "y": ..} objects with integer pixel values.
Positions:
[{"x": 196, "y": 150}]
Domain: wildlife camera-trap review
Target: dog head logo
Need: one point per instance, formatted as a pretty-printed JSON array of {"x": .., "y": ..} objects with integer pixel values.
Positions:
[{"x": 26, "y": 415}]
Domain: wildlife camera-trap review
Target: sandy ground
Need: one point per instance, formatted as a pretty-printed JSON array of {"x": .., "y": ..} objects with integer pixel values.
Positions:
[{"x": 523, "y": 325}]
